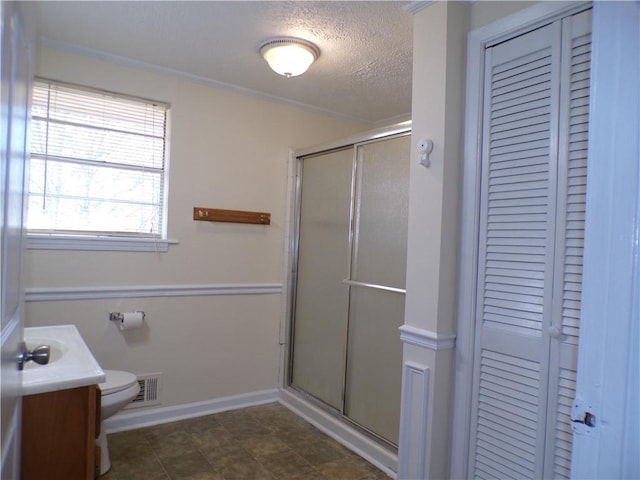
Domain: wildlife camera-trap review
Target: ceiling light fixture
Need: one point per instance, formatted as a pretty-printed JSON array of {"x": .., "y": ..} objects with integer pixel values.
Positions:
[{"x": 289, "y": 56}]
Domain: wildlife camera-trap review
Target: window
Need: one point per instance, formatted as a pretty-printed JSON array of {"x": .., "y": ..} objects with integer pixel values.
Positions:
[{"x": 98, "y": 164}]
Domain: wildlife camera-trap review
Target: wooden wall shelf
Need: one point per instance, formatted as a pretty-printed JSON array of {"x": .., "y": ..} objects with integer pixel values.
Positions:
[{"x": 230, "y": 216}]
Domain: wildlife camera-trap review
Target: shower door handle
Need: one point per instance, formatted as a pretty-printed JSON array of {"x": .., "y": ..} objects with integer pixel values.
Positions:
[{"x": 355, "y": 283}]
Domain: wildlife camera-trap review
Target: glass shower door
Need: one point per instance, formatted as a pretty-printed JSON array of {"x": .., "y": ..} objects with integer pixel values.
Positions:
[
  {"x": 349, "y": 297},
  {"x": 322, "y": 300},
  {"x": 378, "y": 268}
]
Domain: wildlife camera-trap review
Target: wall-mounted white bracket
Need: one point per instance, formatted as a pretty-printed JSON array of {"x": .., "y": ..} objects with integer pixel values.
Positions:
[{"x": 425, "y": 147}]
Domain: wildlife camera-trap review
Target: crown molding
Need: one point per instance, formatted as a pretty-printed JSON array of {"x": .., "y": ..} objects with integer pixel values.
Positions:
[
  {"x": 171, "y": 72},
  {"x": 406, "y": 117},
  {"x": 415, "y": 7}
]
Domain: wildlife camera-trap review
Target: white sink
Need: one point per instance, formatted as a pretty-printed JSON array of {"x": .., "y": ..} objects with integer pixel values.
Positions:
[{"x": 71, "y": 363}]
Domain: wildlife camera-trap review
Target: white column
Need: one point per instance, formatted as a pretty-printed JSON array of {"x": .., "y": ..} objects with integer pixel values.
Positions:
[{"x": 438, "y": 103}]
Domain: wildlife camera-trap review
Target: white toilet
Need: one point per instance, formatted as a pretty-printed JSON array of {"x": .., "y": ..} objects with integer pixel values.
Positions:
[{"x": 117, "y": 391}]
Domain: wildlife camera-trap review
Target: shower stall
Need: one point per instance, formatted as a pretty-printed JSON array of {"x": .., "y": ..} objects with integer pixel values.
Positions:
[{"x": 348, "y": 279}]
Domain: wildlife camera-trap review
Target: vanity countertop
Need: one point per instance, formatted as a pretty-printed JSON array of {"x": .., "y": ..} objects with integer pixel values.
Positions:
[{"x": 71, "y": 363}]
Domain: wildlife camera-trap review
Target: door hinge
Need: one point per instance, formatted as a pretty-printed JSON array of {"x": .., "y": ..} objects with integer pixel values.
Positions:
[{"x": 583, "y": 420}]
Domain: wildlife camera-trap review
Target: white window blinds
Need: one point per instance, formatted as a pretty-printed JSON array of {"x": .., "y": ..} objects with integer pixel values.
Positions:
[{"x": 98, "y": 162}]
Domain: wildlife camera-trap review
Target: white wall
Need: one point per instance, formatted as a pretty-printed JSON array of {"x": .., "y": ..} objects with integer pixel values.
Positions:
[{"x": 227, "y": 151}]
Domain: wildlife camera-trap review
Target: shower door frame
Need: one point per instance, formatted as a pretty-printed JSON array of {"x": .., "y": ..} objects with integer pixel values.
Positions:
[{"x": 297, "y": 157}]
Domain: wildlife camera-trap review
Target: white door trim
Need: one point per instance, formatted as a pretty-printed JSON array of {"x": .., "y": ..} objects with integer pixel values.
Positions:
[
  {"x": 525, "y": 20},
  {"x": 608, "y": 361}
]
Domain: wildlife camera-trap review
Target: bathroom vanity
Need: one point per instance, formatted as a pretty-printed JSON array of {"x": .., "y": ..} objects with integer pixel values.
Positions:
[
  {"x": 59, "y": 431},
  {"x": 60, "y": 408}
]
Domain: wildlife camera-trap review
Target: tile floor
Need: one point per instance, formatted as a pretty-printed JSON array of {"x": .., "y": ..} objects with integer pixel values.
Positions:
[{"x": 266, "y": 442}]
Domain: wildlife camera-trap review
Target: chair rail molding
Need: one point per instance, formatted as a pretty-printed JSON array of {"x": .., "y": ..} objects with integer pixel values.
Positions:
[
  {"x": 426, "y": 338},
  {"x": 39, "y": 294}
]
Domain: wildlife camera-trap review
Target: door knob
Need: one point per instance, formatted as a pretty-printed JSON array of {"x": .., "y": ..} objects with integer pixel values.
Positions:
[
  {"x": 554, "y": 331},
  {"x": 40, "y": 355}
]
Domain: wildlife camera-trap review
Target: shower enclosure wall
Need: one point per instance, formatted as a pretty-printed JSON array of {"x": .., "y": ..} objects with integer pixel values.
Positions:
[{"x": 349, "y": 278}]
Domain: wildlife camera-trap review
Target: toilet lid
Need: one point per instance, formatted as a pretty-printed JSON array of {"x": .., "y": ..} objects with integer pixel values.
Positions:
[{"x": 117, "y": 381}]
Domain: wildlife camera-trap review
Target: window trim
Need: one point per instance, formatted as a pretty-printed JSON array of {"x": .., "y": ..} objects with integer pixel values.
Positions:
[{"x": 45, "y": 241}]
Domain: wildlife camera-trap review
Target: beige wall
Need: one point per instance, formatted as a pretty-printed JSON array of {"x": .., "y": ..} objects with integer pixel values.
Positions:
[
  {"x": 438, "y": 108},
  {"x": 484, "y": 12},
  {"x": 230, "y": 151},
  {"x": 227, "y": 151},
  {"x": 438, "y": 113}
]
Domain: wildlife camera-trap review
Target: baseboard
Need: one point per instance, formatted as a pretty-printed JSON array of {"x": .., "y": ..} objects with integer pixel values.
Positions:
[
  {"x": 349, "y": 437},
  {"x": 146, "y": 417}
]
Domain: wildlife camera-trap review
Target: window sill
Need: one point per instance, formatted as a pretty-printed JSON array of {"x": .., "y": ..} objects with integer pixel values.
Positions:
[{"x": 103, "y": 243}]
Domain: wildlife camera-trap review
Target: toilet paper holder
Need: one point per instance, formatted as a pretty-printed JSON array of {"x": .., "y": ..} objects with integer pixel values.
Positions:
[{"x": 119, "y": 316}]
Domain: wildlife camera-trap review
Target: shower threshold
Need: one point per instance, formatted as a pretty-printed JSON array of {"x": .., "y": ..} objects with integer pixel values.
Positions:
[{"x": 373, "y": 448}]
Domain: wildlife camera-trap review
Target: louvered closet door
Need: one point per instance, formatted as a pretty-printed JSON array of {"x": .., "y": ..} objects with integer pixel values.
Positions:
[
  {"x": 529, "y": 257},
  {"x": 572, "y": 185}
]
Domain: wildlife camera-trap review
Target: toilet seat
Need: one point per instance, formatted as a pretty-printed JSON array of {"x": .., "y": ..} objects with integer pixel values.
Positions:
[{"x": 117, "y": 381}]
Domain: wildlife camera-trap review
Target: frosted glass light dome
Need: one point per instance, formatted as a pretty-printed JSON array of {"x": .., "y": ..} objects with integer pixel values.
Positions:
[{"x": 289, "y": 57}]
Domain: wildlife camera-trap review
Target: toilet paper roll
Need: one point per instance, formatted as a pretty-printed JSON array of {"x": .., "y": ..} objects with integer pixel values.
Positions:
[{"x": 131, "y": 320}]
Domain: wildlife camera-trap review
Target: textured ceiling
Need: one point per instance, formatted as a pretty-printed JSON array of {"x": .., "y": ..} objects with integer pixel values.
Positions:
[{"x": 364, "y": 69}]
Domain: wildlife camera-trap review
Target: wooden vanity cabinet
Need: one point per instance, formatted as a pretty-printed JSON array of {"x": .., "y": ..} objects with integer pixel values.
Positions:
[{"x": 59, "y": 431}]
